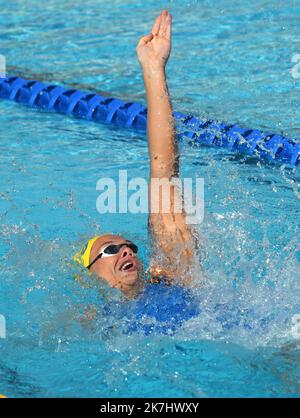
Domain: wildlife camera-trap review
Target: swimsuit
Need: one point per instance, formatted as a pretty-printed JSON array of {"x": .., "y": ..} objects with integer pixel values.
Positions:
[{"x": 161, "y": 308}]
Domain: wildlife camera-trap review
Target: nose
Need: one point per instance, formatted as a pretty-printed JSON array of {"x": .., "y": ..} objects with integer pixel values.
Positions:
[{"x": 126, "y": 251}]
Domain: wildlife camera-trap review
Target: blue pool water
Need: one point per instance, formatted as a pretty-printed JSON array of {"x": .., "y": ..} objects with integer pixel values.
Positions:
[{"x": 235, "y": 65}]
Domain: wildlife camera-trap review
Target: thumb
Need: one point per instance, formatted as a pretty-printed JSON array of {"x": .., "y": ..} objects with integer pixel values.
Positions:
[{"x": 145, "y": 39}]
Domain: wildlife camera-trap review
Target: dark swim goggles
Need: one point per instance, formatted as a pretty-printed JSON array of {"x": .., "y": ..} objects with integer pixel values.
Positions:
[{"x": 113, "y": 249}]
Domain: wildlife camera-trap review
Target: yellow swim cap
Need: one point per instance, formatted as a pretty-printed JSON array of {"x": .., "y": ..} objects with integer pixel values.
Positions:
[{"x": 83, "y": 255}]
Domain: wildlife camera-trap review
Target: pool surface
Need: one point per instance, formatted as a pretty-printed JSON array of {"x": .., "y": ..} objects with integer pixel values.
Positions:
[{"x": 235, "y": 63}]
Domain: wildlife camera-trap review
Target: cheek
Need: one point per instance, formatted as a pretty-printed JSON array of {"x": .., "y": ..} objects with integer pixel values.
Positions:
[
  {"x": 105, "y": 268},
  {"x": 110, "y": 264}
]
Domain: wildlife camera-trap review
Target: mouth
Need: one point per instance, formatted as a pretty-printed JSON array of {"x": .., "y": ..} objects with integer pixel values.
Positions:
[{"x": 128, "y": 265}]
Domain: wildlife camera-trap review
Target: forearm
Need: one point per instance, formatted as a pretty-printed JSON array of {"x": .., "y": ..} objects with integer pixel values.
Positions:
[{"x": 162, "y": 140}]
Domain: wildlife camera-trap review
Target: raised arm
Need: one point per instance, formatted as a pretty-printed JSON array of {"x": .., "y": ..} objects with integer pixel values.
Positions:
[
  {"x": 173, "y": 239},
  {"x": 153, "y": 51}
]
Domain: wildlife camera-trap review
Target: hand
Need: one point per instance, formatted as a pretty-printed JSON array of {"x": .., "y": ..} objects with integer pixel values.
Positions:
[{"x": 153, "y": 50}]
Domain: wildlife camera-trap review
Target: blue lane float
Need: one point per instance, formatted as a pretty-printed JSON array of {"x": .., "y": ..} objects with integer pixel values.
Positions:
[{"x": 94, "y": 107}]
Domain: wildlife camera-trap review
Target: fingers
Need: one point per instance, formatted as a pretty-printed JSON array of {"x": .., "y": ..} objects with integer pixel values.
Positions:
[
  {"x": 162, "y": 26},
  {"x": 168, "y": 33},
  {"x": 163, "y": 23},
  {"x": 156, "y": 25}
]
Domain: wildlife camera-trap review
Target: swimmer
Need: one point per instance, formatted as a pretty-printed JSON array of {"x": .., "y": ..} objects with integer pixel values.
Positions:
[{"x": 114, "y": 258}]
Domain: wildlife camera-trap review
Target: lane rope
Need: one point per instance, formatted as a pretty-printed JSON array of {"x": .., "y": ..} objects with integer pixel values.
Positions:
[{"x": 94, "y": 107}]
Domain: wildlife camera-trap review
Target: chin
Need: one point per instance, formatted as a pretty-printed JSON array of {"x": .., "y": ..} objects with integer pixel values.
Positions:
[{"x": 130, "y": 278}]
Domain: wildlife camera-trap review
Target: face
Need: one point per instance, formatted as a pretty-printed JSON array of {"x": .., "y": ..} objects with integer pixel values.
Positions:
[{"x": 121, "y": 270}]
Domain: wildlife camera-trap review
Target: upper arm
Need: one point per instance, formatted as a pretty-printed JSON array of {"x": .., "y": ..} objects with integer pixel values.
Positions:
[{"x": 174, "y": 243}]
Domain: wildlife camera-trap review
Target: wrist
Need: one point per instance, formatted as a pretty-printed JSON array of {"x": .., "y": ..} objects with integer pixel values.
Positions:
[
  {"x": 154, "y": 78},
  {"x": 153, "y": 71}
]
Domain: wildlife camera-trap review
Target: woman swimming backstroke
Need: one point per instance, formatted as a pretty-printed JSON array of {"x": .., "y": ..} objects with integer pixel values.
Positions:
[{"x": 113, "y": 257}]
